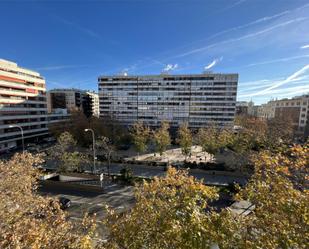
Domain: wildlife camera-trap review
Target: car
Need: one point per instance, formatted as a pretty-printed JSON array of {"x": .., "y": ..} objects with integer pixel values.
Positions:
[{"x": 64, "y": 203}]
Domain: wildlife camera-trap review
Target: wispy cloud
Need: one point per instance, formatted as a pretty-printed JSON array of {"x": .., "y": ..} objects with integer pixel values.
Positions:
[
  {"x": 234, "y": 5},
  {"x": 59, "y": 67},
  {"x": 213, "y": 63},
  {"x": 77, "y": 26},
  {"x": 170, "y": 67},
  {"x": 305, "y": 46},
  {"x": 269, "y": 90},
  {"x": 278, "y": 60},
  {"x": 250, "y": 88},
  {"x": 258, "y": 21},
  {"x": 251, "y": 35}
]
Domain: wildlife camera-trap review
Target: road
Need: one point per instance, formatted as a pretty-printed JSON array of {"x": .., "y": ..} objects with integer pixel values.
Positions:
[
  {"x": 209, "y": 177},
  {"x": 119, "y": 197},
  {"x": 219, "y": 178}
]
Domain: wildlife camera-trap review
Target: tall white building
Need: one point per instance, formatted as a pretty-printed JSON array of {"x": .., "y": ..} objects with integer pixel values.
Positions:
[
  {"x": 22, "y": 103},
  {"x": 197, "y": 99}
]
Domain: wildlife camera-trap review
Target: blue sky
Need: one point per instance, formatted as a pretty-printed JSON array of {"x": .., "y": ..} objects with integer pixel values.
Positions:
[{"x": 71, "y": 43}]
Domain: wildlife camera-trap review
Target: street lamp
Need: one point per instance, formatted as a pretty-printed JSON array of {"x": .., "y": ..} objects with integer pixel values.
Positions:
[
  {"x": 22, "y": 134},
  {"x": 93, "y": 147}
]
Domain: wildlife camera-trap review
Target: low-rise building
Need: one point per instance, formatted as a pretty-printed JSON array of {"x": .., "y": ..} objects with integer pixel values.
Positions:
[
  {"x": 242, "y": 107},
  {"x": 296, "y": 109}
]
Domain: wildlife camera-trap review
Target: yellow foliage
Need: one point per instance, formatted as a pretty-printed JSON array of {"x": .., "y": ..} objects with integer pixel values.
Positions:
[{"x": 29, "y": 220}]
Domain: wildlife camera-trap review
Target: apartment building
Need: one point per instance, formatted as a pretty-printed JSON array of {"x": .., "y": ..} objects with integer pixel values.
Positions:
[
  {"x": 22, "y": 103},
  {"x": 197, "y": 99},
  {"x": 70, "y": 99},
  {"x": 91, "y": 104},
  {"x": 297, "y": 109},
  {"x": 73, "y": 100}
]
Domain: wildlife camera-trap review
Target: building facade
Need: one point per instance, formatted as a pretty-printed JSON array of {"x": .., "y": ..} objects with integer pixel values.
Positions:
[
  {"x": 296, "y": 109},
  {"x": 242, "y": 107},
  {"x": 197, "y": 99},
  {"x": 22, "y": 103},
  {"x": 73, "y": 100},
  {"x": 70, "y": 99},
  {"x": 91, "y": 104}
]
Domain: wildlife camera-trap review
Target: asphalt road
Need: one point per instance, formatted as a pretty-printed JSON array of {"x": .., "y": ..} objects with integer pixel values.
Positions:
[
  {"x": 219, "y": 178},
  {"x": 119, "y": 197},
  {"x": 209, "y": 177}
]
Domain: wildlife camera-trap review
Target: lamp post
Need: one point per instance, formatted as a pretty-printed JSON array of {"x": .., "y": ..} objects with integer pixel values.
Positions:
[
  {"x": 93, "y": 147},
  {"x": 22, "y": 135}
]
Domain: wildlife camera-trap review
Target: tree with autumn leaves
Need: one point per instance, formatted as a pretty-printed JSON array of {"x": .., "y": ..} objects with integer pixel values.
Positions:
[
  {"x": 65, "y": 154},
  {"x": 161, "y": 137},
  {"x": 170, "y": 212},
  {"x": 185, "y": 139},
  {"x": 173, "y": 212},
  {"x": 29, "y": 220},
  {"x": 140, "y": 134}
]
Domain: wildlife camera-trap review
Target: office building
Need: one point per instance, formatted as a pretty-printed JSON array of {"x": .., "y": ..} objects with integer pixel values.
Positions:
[
  {"x": 22, "y": 104},
  {"x": 197, "y": 99}
]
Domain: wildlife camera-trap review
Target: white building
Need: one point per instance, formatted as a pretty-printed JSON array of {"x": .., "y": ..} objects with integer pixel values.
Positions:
[
  {"x": 22, "y": 103},
  {"x": 197, "y": 99},
  {"x": 94, "y": 103}
]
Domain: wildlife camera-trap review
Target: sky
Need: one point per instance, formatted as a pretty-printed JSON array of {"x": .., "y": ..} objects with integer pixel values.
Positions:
[{"x": 71, "y": 43}]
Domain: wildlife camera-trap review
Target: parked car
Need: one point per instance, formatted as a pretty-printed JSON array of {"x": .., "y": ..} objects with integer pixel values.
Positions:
[{"x": 64, "y": 203}]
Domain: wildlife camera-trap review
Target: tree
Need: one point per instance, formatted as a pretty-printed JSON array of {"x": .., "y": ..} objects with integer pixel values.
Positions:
[
  {"x": 207, "y": 139},
  {"x": 171, "y": 212},
  {"x": 166, "y": 215},
  {"x": 185, "y": 139},
  {"x": 64, "y": 153},
  {"x": 75, "y": 125},
  {"x": 140, "y": 136},
  {"x": 29, "y": 220},
  {"x": 105, "y": 145},
  {"x": 252, "y": 136},
  {"x": 280, "y": 131},
  {"x": 162, "y": 138}
]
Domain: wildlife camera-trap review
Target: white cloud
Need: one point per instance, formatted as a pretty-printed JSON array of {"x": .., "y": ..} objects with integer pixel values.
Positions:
[
  {"x": 213, "y": 63},
  {"x": 305, "y": 46},
  {"x": 170, "y": 67}
]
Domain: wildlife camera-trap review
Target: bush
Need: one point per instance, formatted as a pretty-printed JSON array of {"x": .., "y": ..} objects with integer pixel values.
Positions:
[{"x": 126, "y": 174}]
